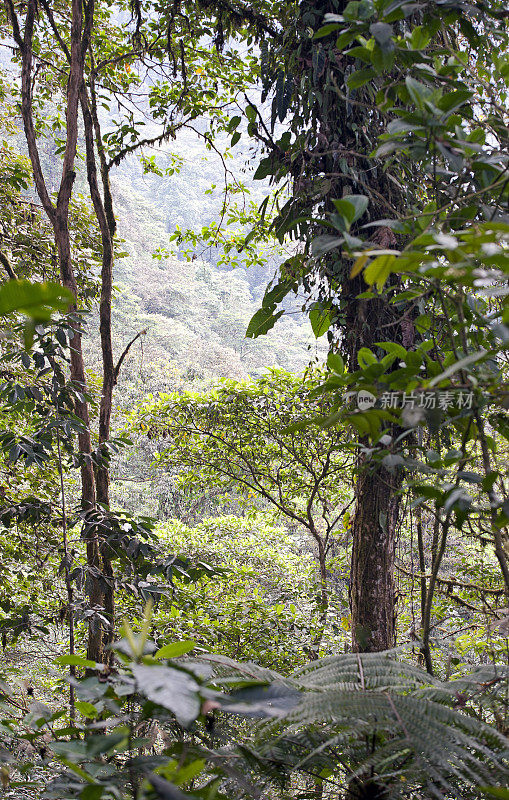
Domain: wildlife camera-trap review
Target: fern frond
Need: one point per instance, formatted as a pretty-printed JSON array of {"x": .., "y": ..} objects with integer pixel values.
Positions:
[{"x": 370, "y": 715}]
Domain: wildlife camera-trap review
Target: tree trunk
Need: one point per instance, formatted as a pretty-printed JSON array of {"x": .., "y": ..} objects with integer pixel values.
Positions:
[
  {"x": 58, "y": 215},
  {"x": 103, "y": 208},
  {"x": 372, "y": 590}
]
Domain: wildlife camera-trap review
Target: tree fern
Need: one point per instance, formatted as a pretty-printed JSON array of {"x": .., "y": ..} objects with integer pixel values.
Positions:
[{"x": 370, "y": 719}]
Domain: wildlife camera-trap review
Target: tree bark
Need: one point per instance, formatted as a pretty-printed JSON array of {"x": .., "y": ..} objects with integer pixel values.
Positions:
[
  {"x": 372, "y": 590},
  {"x": 374, "y": 525},
  {"x": 58, "y": 215},
  {"x": 103, "y": 207}
]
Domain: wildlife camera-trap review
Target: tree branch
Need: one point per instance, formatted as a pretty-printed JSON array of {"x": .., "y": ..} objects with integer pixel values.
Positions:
[
  {"x": 7, "y": 266},
  {"x": 121, "y": 359}
]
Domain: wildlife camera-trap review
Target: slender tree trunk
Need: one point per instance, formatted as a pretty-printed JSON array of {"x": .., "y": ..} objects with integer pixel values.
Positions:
[
  {"x": 58, "y": 215},
  {"x": 323, "y": 596},
  {"x": 103, "y": 208}
]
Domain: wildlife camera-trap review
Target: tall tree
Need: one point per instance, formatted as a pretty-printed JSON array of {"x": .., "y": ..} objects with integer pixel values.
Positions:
[
  {"x": 247, "y": 437},
  {"x": 340, "y": 75},
  {"x": 75, "y": 54},
  {"x": 322, "y": 157},
  {"x": 57, "y": 212}
]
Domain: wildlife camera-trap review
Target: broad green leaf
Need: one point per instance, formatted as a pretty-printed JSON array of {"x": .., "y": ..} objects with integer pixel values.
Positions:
[
  {"x": 92, "y": 792},
  {"x": 379, "y": 270},
  {"x": 418, "y": 91},
  {"x": 420, "y": 38},
  {"x": 336, "y": 363},
  {"x": 266, "y": 167},
  {"x": 175, "y": 649},
  {"x": 233, "y": 123},
  {"x": 325, "y": 30},
  {"x": 320, "y": 320},
  {"x": 351, "y": 207},
  {"x": 36, "y": 300},
  {"x": 393, "y": 347},
  {"x": 359, "y": 9},
  {"x": 496, "y": 791},
  {"x": 360, "y": 78},
  {"x": 87, "y": 709},
  {"x": 189, "y": 771},
  {"x": 170, "y": 688},
  {"x": 262, "y": 321},
  {"x": 453, "y": 100},
  {"x": 277, "y": 293},
  {"x": 76, "y": 661},
  {"x": 365, "y": 357}
]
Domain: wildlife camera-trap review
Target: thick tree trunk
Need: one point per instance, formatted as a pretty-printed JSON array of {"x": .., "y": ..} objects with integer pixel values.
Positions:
[{"x": 372, "y": 590}]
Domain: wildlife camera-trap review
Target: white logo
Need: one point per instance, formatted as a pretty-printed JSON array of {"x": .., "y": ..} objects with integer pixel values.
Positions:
[{"x": 365, "y": 400}]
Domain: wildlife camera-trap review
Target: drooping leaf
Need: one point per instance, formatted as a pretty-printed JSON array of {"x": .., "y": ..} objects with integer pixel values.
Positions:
[
  {"x": 320, "y": 320},
  {"x": 262, "y": 321},
  {"x": 171, "y": 688}
]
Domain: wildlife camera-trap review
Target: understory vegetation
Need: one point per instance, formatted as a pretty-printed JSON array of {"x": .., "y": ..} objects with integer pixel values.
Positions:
[{"x": 254, "y": 432}]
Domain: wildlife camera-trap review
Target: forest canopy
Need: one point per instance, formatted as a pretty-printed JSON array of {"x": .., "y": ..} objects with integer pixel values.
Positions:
[{"x": 254, "y": 437}]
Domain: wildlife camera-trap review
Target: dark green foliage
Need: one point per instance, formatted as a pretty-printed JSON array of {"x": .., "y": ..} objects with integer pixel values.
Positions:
[{"x": 338, "y": 720}]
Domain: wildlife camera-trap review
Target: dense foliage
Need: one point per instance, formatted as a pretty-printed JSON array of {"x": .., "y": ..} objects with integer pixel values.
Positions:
[{"x": 238, "y": 564}]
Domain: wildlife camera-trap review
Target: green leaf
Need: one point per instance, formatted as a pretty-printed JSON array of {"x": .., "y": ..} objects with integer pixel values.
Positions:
[
  {"x": 360, "y": 78},
  {"x": 495, "y": 791},
  {"x": 76, "y": 661},
  {"x": 325, "y": 30},
  {"x": 351, "y": 207},
  {"x": 336, "y": 363},
  {"x": 418, "y": 91},
  {"x": 320, "y": 320},
  {"x": 36, "y": 300},
  {"x": 87, "y": 709},
  {"x": 189, "y": 771},
  {"x": 379, "y": 270},
  {"x": 262, "y": 321},
  {"x": 233, "y": 123},
  {"x": 356, "y": 9},
  {"x": 175, "y": 649},
  {"x": 453, "y": 100},
  {"x": 420, "y": 38},
  {"x": 362, "y": 53},
  {"x": 365, "y": 357},
  {"x": 383, "y": 59},
  {"x": 92, "y": 792},
  {"x": 266, "y": 167},
  {"x": 250, "y": 112},
  {"x": 393, "y": 347},
  {"x": 170, "y": 688},
  {"x": 277, "y": 294}
]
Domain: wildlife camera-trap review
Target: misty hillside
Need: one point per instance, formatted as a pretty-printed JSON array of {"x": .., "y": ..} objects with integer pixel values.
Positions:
[{"x": 195, "y": 312}]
